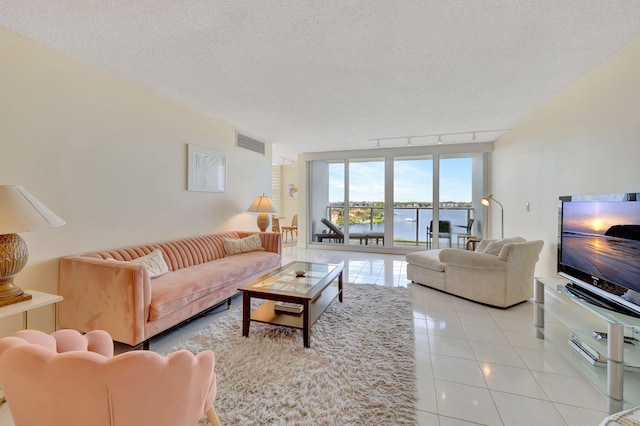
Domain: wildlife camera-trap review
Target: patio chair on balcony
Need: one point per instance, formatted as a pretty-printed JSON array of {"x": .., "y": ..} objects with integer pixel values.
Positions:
[
  {"x": 334, "y": 233},
  {"x": 444, "y": 231},
  {"x": 466, "y": 234}
]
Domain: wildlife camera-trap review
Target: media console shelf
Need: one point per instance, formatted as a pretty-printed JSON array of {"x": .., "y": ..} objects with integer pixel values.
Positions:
[{"x": 582, "y": 318}]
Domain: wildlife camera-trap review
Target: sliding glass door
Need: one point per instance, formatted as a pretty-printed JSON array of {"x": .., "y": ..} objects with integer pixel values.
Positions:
[
  {"x": 366, "y": 201},
  {"x": 393, "y": 200},
  {"x": 455, "y": 193},
  {"x": 412, "y": 199},
  {"x": 326, "y": 201}
]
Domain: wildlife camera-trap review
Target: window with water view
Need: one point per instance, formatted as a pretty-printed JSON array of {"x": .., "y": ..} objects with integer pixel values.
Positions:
[{"x": 390, "y": 200}]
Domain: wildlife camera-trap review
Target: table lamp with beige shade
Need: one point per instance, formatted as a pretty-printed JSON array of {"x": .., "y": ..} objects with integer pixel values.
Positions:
[
  {"x": 263, "y": 205},
  {"x": 19, "y": 212}
]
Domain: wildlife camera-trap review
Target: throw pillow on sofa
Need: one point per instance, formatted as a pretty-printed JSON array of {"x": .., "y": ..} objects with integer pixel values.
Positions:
[
  {"x": 482, "y": 245},
  {"x": 242, "y": 245},
  {"x": 495, "y": 246},
  {"x": 154, "y": 262}
]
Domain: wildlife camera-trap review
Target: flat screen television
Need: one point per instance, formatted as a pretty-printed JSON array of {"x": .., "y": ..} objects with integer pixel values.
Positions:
[{"x": 599, "y": 249}]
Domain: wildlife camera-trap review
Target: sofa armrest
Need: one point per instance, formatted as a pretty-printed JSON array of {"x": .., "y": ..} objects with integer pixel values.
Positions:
[
  {"x": 471, "y": 260},
  {"x": 106, "y": 295},
  {"x": 271, "y": 241}
]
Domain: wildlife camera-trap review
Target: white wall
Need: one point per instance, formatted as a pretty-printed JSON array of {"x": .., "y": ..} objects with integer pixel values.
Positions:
[
  {"x": 585, "y": 141},
  {"x": 109, "y": 158}
]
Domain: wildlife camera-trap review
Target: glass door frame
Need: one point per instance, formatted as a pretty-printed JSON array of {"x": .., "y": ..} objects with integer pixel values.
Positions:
[{"x": 389, "y": 155}]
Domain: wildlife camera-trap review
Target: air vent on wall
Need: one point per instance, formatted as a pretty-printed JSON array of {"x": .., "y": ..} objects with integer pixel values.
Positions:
[{"x": 249, "y": 143}]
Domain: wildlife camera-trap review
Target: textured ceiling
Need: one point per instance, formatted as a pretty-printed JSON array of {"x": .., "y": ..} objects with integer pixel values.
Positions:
[{"x": 332, "y": 75}]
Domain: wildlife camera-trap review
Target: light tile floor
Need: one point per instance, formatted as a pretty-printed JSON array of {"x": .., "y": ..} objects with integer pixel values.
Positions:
[{"x": 475, "y": 364}]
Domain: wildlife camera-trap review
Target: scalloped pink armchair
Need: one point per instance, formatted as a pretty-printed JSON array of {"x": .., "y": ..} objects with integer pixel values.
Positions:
[{"x": 71, "y": 379}]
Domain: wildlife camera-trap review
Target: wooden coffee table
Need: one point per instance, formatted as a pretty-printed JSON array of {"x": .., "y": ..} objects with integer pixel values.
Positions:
[{"x": 313, "y": 291}]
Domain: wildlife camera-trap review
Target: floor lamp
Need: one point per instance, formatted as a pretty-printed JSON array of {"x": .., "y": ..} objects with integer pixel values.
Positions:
[
  {"x": 19, "y": 212},
  {"x": 263, "y": 205},
  {"x": 486, "y": 201}
]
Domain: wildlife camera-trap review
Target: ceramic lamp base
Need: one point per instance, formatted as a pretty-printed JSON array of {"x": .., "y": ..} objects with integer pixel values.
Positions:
[
  {"x": 13, "y": 257},
  {"x": 263, "y": 222}
]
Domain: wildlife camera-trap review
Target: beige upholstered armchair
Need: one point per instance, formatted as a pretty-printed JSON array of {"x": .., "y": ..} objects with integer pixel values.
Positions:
[
  {"x": 74, "y": 380},
  {"x": 498, "y": 273}
]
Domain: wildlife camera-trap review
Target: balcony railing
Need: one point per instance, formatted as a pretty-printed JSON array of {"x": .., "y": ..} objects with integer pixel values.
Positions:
[{"x": 409, "y": 223}]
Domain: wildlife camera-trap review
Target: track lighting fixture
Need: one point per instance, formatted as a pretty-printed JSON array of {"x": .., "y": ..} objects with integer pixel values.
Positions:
[
  {"x": 284, "y": 161},
  {"x": 472, "y": 133}
]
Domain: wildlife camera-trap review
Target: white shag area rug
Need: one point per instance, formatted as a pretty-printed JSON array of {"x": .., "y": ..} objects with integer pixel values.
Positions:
[{"x": 359, "y": 370}]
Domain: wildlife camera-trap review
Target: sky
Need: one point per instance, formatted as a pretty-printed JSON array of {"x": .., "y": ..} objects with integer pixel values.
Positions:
[
  {"x": 413, "y": 180},
  {"x": 597, "y": 217}
]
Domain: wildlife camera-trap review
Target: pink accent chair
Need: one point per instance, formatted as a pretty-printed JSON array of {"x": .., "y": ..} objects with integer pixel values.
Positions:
[{"x": 71, "y": 379}]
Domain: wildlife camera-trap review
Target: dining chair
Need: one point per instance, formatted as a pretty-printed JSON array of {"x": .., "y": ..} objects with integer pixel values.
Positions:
[
  {"x": 289, "y": 230},
  {"x": 275, "y": 223}
]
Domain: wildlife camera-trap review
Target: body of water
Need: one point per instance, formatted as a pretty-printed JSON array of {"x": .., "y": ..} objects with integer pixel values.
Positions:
[{"x": 405, "y": 223}]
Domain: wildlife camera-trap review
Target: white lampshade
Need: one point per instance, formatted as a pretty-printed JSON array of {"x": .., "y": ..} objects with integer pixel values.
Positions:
[
  {"x": 262, "y": 204},
  {"x": 21, "y": 211}
]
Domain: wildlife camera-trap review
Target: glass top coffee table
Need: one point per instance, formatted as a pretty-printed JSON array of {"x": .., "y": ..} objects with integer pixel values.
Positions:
[{"x": 296, "y": 295}]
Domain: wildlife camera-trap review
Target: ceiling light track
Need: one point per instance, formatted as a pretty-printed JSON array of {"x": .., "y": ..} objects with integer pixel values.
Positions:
[
  {"x": 473, "y": 133},
  {"x": 284, "y": 161}
]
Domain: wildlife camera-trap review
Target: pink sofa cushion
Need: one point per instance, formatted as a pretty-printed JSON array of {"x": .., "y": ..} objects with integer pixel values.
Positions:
[{"x": 174, "y": 290}]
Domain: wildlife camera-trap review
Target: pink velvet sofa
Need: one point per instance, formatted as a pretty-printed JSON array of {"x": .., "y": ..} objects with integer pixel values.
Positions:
[{"x": 108, "y": 291}]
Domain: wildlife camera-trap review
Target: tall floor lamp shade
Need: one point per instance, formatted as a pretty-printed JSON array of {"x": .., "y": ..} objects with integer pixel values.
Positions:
[
  {"x": 486, "y": 201},
  {"x": 263, "y": 205},
  {"x": 19, "y": 212}
]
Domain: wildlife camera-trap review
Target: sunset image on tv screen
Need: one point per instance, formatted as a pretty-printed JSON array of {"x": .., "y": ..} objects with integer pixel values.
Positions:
[{"x": 603, "y": 239}]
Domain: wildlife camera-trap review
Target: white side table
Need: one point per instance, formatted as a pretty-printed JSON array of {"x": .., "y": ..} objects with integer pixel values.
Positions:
[{"x": 38, "y": 300}]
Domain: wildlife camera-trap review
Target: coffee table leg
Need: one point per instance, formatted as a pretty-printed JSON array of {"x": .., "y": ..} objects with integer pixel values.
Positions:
[
  {"x": 340, "y": 287},
  {"x": 305, "y": 324},
  {"x": 246, "y": 313}
]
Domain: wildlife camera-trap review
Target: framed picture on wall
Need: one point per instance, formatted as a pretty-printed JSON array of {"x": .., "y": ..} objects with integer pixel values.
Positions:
[
  {"x": 292, "y": 191},
  {"x": 206, "y": 169}
]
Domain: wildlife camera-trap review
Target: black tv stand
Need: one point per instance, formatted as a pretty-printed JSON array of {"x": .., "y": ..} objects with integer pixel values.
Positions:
[{"x": 602, "y": 302}]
